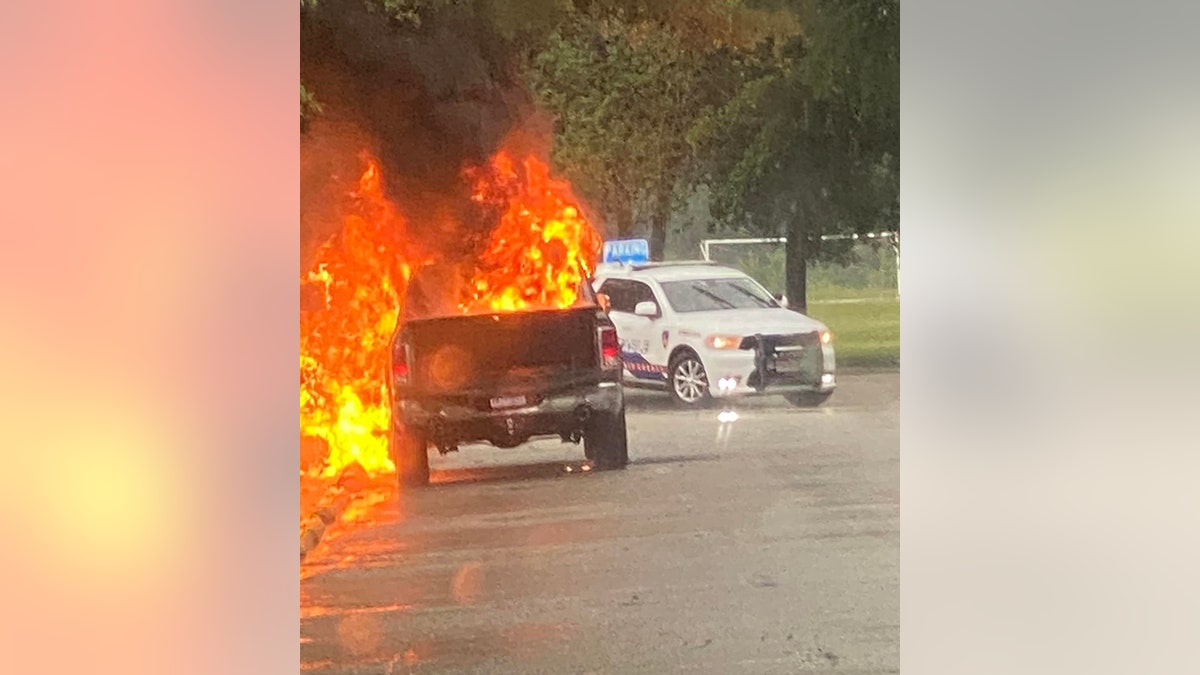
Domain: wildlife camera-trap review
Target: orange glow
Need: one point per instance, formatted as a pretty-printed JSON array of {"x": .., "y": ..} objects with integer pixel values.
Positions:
[
  {"x": 540, "y": 251},
  {"x": 360, "y": 509}
]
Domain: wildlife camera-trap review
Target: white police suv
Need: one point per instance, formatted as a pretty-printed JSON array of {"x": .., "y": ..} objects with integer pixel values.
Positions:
[{"x": 701, "y": 331}]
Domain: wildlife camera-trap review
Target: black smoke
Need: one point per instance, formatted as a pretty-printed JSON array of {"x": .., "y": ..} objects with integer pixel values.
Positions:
[{"x": 428, "y": 97}]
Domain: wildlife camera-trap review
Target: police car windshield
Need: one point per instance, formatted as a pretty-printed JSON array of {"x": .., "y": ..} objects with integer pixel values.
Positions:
[{"x": 706, "y": 295}]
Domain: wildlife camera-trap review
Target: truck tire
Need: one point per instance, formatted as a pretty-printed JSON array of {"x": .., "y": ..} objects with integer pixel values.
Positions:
[
  {"x": 808, "y": 399},
  {"x": 410, "y": 453},
  {"x": 605, "y": 442}
]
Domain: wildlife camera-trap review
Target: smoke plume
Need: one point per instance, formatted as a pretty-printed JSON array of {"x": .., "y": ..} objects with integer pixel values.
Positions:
[{"x": 427, "y": 99}]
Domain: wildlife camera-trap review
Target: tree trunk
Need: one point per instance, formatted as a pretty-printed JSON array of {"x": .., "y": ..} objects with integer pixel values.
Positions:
[
  {"x": 624, "y": 217},
  {"x": 658, "y": 226},
  {"x": 658, "y": 237},
  {"x": 796, "y": 266}
]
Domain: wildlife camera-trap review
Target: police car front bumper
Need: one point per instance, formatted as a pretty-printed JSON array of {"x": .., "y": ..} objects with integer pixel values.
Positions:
[{"x": 747, "y": 373}]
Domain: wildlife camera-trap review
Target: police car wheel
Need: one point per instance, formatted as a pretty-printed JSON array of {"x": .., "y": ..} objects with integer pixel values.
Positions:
[
  {"x": 689, "y": 381},
  {"x": 410, "y": 454},
  {"x": 808, "y": 399},
  {"x": 605, "y": 442}
]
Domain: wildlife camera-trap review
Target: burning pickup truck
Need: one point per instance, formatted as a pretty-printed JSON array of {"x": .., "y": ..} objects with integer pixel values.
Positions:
[{"x": 505, "y": 378}]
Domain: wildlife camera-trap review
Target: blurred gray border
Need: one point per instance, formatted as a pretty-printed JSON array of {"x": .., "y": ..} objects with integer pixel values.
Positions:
[{"x": 1049, "y": 211}]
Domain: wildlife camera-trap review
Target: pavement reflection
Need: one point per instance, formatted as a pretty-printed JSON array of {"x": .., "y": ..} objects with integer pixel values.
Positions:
[{"x": 768, "y": 542}]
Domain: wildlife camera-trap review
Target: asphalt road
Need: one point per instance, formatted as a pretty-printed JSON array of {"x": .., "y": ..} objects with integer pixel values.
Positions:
[{"x": 766, "y": 545}]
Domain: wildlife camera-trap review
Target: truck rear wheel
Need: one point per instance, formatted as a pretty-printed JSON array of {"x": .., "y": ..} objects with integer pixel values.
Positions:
[
  {"x": 410, "y": 453},
  {"x": 605, "y": 442}
]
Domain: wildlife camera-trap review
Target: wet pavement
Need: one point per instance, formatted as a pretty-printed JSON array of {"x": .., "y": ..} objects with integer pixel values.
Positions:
[{"x": 769, "y": 544}]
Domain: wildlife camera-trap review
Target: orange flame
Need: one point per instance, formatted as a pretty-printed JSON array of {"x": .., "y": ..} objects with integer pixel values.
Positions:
[
  {"x": 543, "y": 248},
  {"x": 357, "y": 278},
  {"x": 537, "y": 256}
]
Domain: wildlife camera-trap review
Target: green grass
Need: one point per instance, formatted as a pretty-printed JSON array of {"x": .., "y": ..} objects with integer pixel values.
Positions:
[
  {"x": 866, "y": 334},
  {"x": 821, "y": 293}
]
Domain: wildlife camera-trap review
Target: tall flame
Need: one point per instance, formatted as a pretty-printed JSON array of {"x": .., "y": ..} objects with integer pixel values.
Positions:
[
  {"x": 357, "y": 278},
  {"x": 536, "y": 257},
  {"x": 543, "y": 248}
]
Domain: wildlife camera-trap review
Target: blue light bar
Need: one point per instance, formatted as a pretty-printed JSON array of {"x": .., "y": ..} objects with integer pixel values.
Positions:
[{"x": 626, "y": 251}]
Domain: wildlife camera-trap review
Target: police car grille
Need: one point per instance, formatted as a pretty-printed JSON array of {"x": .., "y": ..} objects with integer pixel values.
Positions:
[
  {"x": 793, "y": 357},
  {"x": 775, "y": 342}
]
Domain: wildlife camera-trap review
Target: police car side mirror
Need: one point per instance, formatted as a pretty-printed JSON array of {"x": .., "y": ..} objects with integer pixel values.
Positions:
[
  {"x": 646, "y": 308},
  {"x": 781, "y": 299}
]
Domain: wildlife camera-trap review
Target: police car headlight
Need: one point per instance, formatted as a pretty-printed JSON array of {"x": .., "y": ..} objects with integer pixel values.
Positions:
[
  {"x": 724, "y": 341},
  {"x": 826, "y": 337}
]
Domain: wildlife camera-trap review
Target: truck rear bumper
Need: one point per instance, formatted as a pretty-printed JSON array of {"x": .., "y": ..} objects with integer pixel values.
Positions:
[{"x": 448, "y": 422}]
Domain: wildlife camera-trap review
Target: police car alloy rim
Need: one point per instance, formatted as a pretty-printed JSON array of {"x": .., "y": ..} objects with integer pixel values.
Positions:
[{"x": 690, "y": 380}]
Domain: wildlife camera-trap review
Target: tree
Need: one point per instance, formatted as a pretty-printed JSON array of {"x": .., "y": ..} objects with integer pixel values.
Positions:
[
  {"x": 809, "y": 142},
  {"x": 786, "y": 110},
  {"x": 626, "y": 80},
  {"x": 623, "y": 107}
]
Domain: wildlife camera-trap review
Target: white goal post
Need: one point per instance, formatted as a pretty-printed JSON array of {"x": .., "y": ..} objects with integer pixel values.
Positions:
[{"x": 892, "y": 239}]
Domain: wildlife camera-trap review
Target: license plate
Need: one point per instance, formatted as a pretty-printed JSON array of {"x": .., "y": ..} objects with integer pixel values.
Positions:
[
  {"x": 500, "y": 402},
  {"x": 789, "y": 362}
]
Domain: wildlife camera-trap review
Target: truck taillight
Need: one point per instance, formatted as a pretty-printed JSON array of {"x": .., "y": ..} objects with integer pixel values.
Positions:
[
  {"x": 610, "y": 349},
  {"x": 400, "y": 363}
]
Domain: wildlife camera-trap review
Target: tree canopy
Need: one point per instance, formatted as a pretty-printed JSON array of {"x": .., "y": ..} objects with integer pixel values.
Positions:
[
  {"x": 622, "y": 108},
  {"x": 808, "y": 143},
  {"x": 785, "y": 112}
]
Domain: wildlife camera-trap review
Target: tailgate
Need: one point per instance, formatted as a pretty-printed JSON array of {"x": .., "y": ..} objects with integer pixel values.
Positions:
[{"x": 519, "y": 351}]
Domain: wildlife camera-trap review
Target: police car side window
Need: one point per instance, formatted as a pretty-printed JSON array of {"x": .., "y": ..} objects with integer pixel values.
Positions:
[
  {"x": 642, "y": 293},
  {"x": 620, "y": 295}
]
